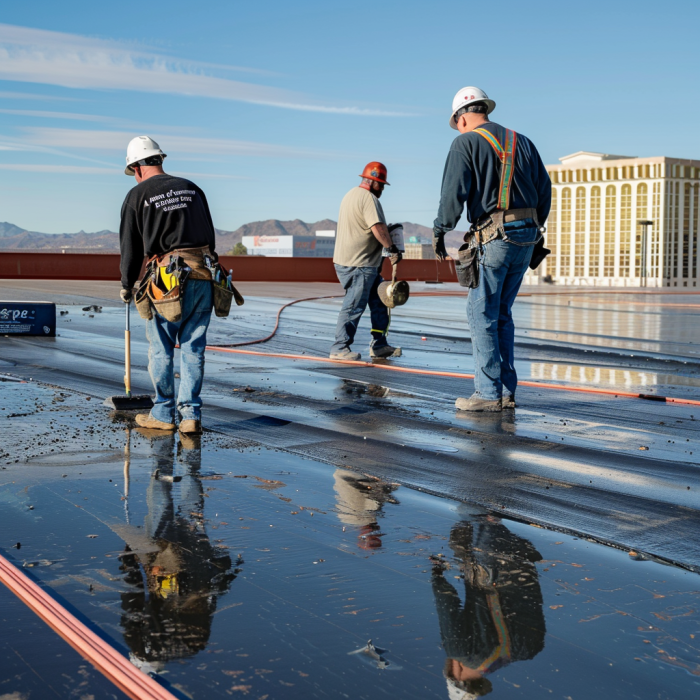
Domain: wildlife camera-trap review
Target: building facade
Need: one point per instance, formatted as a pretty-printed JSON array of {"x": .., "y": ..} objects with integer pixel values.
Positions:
[
  {"x": 418, "y": 251},
  {"x": 594, "y": 232}
]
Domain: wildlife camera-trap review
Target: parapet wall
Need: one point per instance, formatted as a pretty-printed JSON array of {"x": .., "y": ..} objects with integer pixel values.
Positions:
[{"x": 249, "y": 268}]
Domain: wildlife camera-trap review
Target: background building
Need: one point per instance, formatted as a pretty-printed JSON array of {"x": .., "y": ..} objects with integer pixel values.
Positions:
[
  {"x": 319, "y": 246},
  {"x": 418, "y": 248},
  {"x": 593, "y": 229}
]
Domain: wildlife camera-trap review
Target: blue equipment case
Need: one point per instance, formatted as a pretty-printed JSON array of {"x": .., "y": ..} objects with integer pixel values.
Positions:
[{"x": 28, "y": 318}]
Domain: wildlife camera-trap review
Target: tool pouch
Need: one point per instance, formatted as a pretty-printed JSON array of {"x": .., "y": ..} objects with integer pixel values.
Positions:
[
  {"x": 467, "y": 264},
  {"x": 224, "y": 291},
  {"x": 222, "y": 300},
  {"x": 142, "y": 300},
  {"x": 166, "y": 285},
  {"x": 168, "y": 305}
]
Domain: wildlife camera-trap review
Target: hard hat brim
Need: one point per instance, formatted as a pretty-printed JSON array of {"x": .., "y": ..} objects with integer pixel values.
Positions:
[
  {"x": 129, "y": 169},
  {"x": 490, "y": 104},
  {"x": 376, "y": 179}
]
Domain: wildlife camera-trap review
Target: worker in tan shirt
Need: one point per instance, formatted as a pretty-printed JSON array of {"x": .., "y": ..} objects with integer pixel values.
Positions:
[{"x": 361, "y": 236}]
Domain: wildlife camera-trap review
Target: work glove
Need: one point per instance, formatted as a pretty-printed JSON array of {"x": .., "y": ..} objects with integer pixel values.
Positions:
[
  {"x": 439, "y": 246},
  {"x": 395, "y": 255},
  {"x": 126, "y": 295}
]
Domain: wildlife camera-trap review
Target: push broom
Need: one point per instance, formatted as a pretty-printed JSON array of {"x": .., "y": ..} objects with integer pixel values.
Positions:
[{"x": 129, "y": 402}]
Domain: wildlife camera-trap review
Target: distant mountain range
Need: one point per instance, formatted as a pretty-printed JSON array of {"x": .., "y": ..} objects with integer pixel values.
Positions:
[{"x": 15, "y": 238}]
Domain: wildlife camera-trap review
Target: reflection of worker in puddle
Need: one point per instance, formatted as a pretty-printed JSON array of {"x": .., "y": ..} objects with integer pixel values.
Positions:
[
  {"x": 176, "y": 575},
  {"x": 501, "y": 619},
  {"x": 360, "y": 500}
]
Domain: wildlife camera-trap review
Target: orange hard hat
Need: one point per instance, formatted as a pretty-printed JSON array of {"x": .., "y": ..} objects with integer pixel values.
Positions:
[{"x": 375, "y": 171}]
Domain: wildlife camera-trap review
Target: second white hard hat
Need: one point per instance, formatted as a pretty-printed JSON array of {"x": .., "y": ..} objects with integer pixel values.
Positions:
[
  {"x": 140, "y": 148},
  {"x": 467, "y": 96}
]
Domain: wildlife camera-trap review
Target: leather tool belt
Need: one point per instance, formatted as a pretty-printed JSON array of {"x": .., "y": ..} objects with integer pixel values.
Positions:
[{"x": 490, "y": 227}]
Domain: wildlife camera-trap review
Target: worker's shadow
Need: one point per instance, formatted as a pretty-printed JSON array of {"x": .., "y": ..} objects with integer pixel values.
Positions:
[
  {"x": 175, "y": 574},
  {"x": 500, "y": 619}
]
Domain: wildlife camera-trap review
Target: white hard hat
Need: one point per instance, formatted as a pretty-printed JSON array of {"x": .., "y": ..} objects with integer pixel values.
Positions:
[
  {"x": 467, "y": 96},
  {"x": 140, "y": 148}
]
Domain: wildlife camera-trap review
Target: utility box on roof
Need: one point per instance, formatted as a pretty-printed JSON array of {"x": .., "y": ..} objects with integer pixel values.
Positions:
[{"x": 28, "y": 318}]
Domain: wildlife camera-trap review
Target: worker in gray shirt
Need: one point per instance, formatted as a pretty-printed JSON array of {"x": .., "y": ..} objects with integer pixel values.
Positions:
[
  {"x": 500, "y": 178},
  {"x": 361, "y": 236}
]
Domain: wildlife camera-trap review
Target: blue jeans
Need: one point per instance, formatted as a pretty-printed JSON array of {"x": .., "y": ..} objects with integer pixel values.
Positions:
[
  {"x": 360, "y": 284},
  {"x": 502, "y": 266},
  {"x": 191, "y": 332}
]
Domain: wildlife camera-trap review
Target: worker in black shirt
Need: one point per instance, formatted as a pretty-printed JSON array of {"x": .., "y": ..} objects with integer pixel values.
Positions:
[{"x": 167, "y": 218}]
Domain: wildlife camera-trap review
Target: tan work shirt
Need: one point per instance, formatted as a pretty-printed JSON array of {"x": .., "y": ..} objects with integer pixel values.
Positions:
[{"x": 355, "y": 244}]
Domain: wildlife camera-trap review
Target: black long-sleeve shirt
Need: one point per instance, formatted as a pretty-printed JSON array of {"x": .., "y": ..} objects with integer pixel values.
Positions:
[
  {"x": 472, "y": 176},
  {"x": 161, "y": 214}
]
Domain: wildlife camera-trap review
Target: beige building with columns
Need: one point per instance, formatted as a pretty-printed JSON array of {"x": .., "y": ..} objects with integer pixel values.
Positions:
[{"x": 593, "y": 230}]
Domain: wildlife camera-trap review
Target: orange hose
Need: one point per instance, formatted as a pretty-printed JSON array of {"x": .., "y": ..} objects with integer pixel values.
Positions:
[
  {"x": 438, "y": 373},
  {"x": 411, "y": 370},
  {"x": 120, "y": 671}
]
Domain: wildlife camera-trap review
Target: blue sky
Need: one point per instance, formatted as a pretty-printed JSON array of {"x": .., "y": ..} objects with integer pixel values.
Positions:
[{"x": 273, "y": 108}]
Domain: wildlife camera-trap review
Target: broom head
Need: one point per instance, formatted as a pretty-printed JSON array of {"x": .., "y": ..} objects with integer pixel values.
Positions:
[{"x": 142, "y": 402}]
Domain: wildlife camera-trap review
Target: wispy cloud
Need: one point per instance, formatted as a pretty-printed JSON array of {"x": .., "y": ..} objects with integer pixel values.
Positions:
[
  {"x": 57, "y": 115},
  {"x": 89, "y": 170},
  {"x": 7, "y": 95},
  {"x": 94, "y": 141},
  {"x": 55, "y": 169},
  {"x": 69, "y": 60}
]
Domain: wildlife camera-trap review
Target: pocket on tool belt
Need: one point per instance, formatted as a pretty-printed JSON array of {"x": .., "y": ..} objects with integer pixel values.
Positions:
[
  {"x": 166, "y": 283},
  {"x": 467, "y": 266},
  {"x": 142, "y": 300},
  {"x": 166, "y": 304},
  {"x": 224, "y": 292}
]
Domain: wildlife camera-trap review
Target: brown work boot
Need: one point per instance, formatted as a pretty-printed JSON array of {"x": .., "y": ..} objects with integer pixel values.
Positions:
[
  {"x": 146, "y": 420},
  {"x": 384, "y": 351},
  {"x": 190, "y": 426},
  {"x": 477, "y": 404}
]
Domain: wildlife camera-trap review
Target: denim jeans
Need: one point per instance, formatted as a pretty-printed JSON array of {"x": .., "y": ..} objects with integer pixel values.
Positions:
[
  {"x": 360, "y": 284},
  {"x": 502, "y": 266},
  {"x": 191, "y": 333}
]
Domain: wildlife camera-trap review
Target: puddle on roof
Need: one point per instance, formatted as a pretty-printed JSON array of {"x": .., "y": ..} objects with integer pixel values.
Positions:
[{"x": 233, "y": 570}]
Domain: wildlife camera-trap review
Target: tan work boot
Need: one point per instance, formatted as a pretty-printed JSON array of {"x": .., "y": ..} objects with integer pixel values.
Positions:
[
  {"x": 190, "y": 426},
  {"x": 346, "y": 354},
  {"x": 477, "y": 404},
  {"x": 146, "y": 420},
  {"x": 508, "y": 401}
]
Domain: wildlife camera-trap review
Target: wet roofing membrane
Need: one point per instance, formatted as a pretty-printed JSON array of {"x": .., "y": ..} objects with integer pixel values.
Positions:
[{"x": 341, "y": 531}]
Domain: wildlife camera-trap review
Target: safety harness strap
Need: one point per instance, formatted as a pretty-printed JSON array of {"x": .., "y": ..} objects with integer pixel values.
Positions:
[{"x": 505, "y": 155}]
